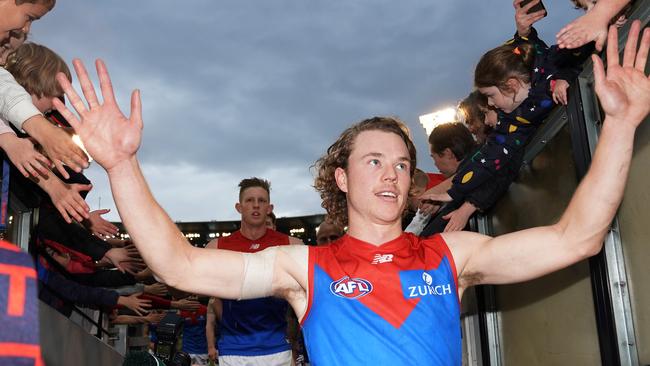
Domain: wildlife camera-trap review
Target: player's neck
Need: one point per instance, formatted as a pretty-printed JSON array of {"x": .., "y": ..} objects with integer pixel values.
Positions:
[
  {"x": 252, "y": 232},
  {"x": 374, "y": 233}
]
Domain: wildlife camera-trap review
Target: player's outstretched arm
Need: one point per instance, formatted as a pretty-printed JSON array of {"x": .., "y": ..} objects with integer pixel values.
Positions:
[
  {"x": 113, "y": 139},
  {"x": 624, "y": 93}
]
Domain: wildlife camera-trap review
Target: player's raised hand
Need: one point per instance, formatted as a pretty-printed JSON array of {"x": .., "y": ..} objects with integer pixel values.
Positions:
[
  {"x": 109, "y": 137},
  {"x": 624, "y": 90}
]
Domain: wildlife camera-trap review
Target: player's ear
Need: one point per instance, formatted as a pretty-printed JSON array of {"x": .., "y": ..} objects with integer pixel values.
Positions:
[
  {"x": 238, "y": 207},
  {"x": 341, "y": 179}
]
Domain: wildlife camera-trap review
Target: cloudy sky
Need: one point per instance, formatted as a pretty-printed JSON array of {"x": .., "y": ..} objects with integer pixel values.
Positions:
[{"x": 234, "y": 89}]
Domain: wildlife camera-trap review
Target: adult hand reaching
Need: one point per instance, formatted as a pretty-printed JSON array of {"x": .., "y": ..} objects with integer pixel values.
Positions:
[
  {"x": 459, "y": 217},
  {"x": 523, "y": 19},
  {"x": 109, "y": 137},
  {"x": 100, "y": 227},
  {"x": 185, "y": 304},
  {"x": 67, "y": 199},
  {"x": 624, "y": 91},
  {"x": 119, "y": 256},
  {"x": 592, "y": 26},
  {"x": 57, "y": 144},
  {"x": 133, "y": 302},
  {"x": 158, "y": 289},
  {"x": 436, "y": 197},
  {"x": 154, "y": 317}
]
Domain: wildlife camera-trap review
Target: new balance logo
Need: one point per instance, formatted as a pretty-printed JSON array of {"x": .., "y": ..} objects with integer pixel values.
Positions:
[
  {"x": 382, "y": 258},
  {"x": 254, "y": 246}
]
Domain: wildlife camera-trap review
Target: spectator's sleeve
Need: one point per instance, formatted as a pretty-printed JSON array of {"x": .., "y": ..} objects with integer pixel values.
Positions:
[
  {"x": 569, "y": 63},
  {"x": 487, "y": 195},
  {"x": 418, "y": 223},
  {"x": 4, "y": 127},
  {"x": 157, "y": 302},
  {"x": 532, "y": 37},
  {"x": 74, "y": 292},
  {"x": 15, "y": 103},
  {"x": 485, "y": 165},
  {"x": 52, "y": 227}
]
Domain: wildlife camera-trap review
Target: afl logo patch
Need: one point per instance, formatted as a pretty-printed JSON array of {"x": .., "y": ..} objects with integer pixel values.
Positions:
[{"x": 351, "y": 288}]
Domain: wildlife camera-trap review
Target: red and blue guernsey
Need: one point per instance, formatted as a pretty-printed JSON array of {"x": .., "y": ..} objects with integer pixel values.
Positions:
[
  {"x": 253, "y": 327},
  {"x": 393, "y": 304}
]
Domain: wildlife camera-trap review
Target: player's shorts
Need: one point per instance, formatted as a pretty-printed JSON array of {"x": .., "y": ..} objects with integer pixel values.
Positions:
[{"x": 275, "y": 359}]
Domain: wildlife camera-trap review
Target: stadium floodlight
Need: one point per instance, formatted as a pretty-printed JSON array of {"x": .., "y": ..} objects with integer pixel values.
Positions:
[{"x": 432, "y": 120}]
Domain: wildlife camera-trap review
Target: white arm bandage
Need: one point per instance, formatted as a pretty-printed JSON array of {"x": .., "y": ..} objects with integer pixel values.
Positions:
[{"x": 258, "y": 273}]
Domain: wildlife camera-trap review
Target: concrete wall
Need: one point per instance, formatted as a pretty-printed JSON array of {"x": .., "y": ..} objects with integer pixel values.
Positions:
[
  {"x": 550, "y": 320},
  {"x": 634, "y": 222},
  {"x": 64, "y": 343}
]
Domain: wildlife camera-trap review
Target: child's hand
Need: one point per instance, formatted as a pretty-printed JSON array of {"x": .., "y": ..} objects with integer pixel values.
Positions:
[
  {"x": 68, "y": 201},
  {"x": 100, "y": 227},
  {"x": 523, "y": 20},
  {"x": 560, "y": 92},
  {"x": 25, "y": 158},
  {"x": 427, "y": 209},
  {"x": 459, "y": 217},
  {"x": 436, "y": 197},
  {"x": 57, "y": 144}
]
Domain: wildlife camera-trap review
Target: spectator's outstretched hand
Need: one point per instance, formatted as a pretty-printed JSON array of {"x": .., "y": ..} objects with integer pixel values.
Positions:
[
  {"x": 189, "y": 305},
  {"x": 154, "y": 317},
  {"x": 428, "y": 209},
  {"x": 560, "y": 94},
  {"x": 121, "y": 257},
  {"x": 109, "y": 136},
  {"x": 57, "y": 144},
  {"x": 158, "y": 289},
  {"x": 436, "y": 197},
  {"x": 133, "y": 267},
  {"x": 587, "y": 28},
  {"x": 100, "y": 227},
  {"x": 458, "y": 218},
  {"x": 24, "y": 156},
  {"x": 624, "y": 91},
  {"x": 68, "y": 201},
  {"x": 133, "y": 302}
]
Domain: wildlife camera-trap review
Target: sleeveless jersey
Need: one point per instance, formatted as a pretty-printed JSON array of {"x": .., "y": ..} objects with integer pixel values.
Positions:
[
  {"x": 194, "y": 339},
  {"x": 394, "y": 304},
  {"x": 253, "y": 327}
]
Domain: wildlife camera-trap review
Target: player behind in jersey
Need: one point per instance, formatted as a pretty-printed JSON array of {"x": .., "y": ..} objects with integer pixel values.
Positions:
[{"x": 253, "y": 332}]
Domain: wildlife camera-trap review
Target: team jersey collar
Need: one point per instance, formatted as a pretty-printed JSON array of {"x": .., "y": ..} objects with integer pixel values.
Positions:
[
  {"x": 261, "y": 238},
  {"x": 359, "y": 246}
]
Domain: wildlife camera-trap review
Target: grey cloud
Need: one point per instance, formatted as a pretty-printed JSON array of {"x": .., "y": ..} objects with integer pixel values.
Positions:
[{"x": 240, "y": 88}]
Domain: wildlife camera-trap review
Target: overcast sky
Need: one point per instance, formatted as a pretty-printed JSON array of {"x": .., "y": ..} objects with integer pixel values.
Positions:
[{"x": 234, "y": 89}]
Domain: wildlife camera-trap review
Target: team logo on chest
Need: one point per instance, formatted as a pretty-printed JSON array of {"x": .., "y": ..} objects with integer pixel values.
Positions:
[
  {"x": 382, "y": 258},
  {"x": 351, "y": 288},
  {"x": 425, "y": 283}
]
